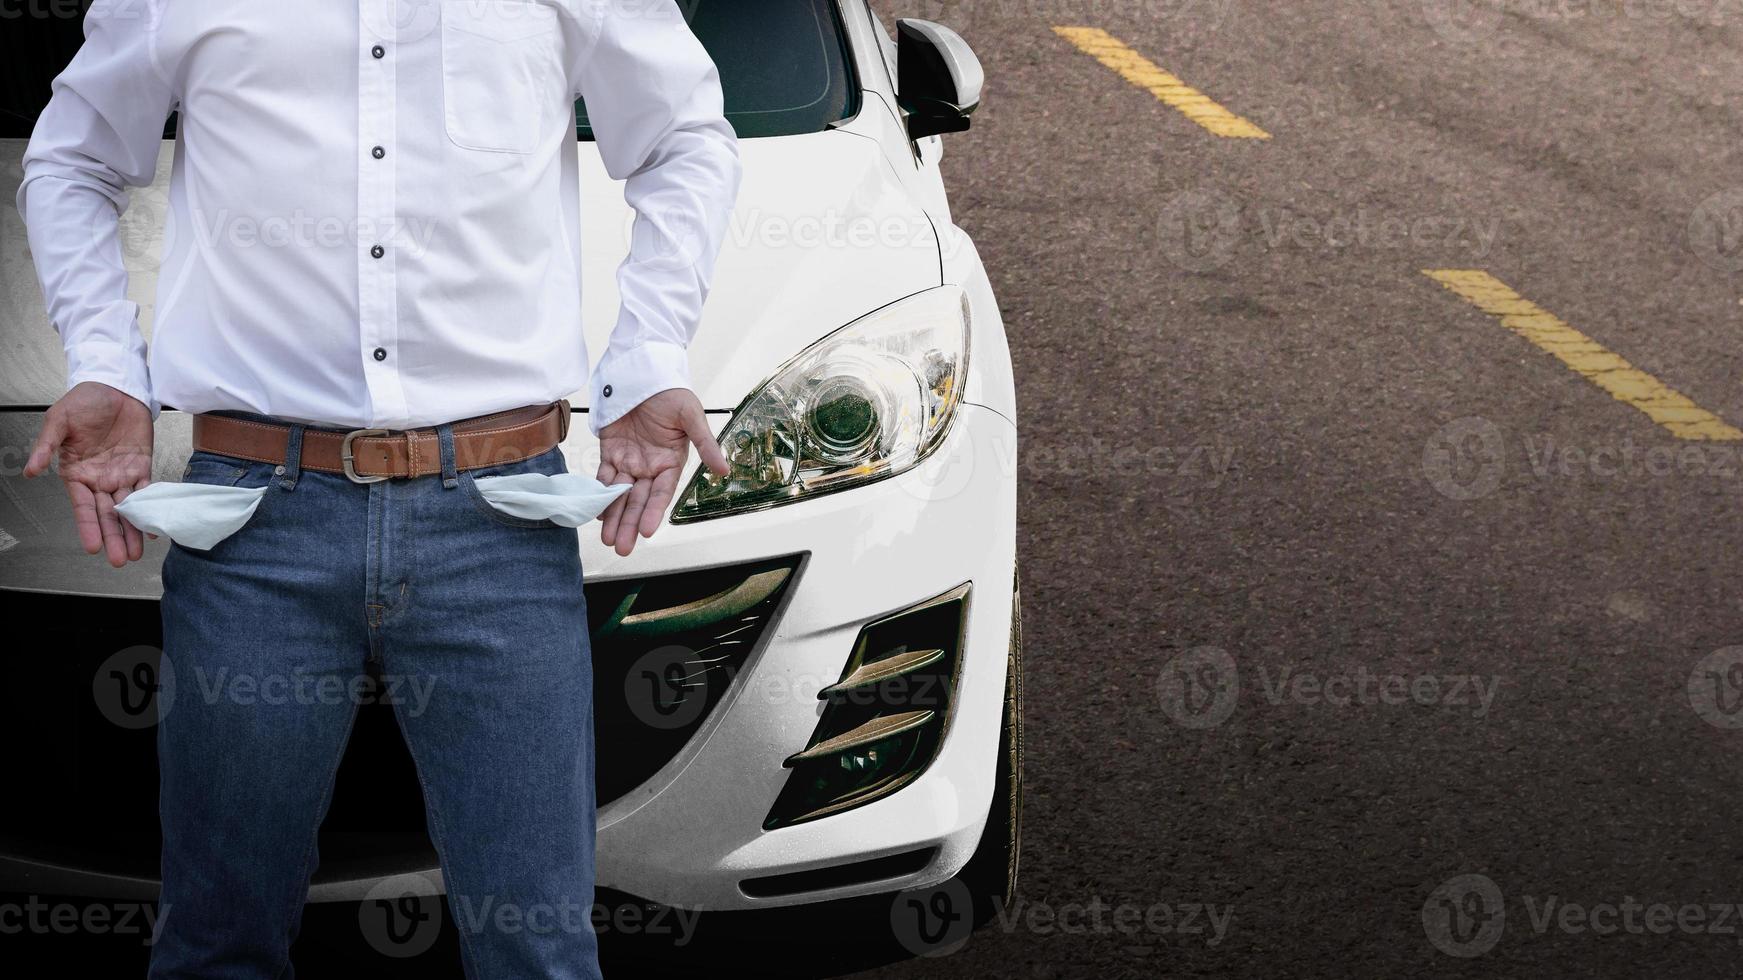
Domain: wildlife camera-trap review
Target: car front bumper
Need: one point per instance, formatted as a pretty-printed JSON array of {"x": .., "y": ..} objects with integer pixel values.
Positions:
[{"x": 692, "y": 834}]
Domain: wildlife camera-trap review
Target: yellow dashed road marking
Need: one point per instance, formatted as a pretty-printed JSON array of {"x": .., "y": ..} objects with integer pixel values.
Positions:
[
  {"x": 1585, "y": 356},
  {"x": 1145, "y": 74}
]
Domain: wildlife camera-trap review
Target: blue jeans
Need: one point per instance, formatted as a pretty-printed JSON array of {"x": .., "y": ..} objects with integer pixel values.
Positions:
[{"x": 480, "y": 618}]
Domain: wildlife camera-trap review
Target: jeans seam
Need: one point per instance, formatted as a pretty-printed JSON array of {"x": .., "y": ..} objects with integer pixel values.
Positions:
[
  {"x": 234, "y": 474},
  {"x": 402, "y": 602},
  {"x": 438, "y": 835},
  {"x": 309, "y": 849}
]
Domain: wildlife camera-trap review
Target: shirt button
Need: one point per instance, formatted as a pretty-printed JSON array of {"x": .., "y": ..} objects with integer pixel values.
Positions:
[
  {"x": 378, "y": 51},
  {"x": 608, "y": 391},
  {"x": 378, "y": 251},
  {"x": 378, "y": 153},
  {"x": 381, "y": 353}
]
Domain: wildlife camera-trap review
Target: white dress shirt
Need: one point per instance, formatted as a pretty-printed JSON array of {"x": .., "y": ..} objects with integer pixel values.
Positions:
[{"x": 374, "y": 215}]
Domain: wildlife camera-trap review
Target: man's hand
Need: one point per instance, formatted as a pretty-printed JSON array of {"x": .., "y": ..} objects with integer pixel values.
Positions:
[
  {"x": 648, "y": 447},
  {"x": 103, "y": 438}
]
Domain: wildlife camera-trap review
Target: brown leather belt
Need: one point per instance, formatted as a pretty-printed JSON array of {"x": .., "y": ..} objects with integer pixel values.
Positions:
[{"x": 372, "y": 455}]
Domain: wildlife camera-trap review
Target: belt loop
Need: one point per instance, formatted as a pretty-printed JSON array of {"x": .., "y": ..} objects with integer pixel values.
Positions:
[
  {"x": 293, "y": 458},
  {"x": 450, "y": 473}
]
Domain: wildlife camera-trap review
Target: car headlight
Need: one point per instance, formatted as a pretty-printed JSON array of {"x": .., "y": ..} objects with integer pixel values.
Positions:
[{"x": 870, "y": 400}]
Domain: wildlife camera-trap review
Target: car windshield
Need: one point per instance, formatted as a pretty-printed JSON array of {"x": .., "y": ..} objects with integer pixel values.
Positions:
[{"x": 783, "y": 64}]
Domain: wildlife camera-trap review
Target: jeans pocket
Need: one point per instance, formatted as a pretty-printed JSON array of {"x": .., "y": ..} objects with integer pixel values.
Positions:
[
  {"x": 501, "y": 73},
  {"x": 212, "y": 470},
  {"x": 549, "y": 463},
  {"x": 567, "y": 499},
  {"x": 207, "y": 506},
  {"x": 193, "y": 515}
]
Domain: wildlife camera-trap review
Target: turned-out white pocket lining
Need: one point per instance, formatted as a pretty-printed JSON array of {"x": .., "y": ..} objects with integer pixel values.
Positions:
[
  {"x": 193, "y": 515},
  {"x": 569, "y": 499}
]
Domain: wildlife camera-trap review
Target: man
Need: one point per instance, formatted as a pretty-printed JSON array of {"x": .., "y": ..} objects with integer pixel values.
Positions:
[{"x": 374, "y": 226}]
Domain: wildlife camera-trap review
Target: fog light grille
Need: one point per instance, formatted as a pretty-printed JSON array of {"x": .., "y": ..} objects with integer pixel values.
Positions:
[
  {"x": 886, "y": 716},
  {"x": 665, "y": 650}
]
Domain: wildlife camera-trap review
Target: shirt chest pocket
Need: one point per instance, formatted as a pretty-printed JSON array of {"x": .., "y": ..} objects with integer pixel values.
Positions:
[{"x": 502, "y": 77}]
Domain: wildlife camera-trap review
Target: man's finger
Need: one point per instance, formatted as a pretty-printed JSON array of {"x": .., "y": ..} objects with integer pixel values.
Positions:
[
  {"x": 85, "y": 516},
  {"x": 609, "y": 521},
  {"x": 695, "y": 423},
  {"x": 632, "y": 515},
  {"x": 614, "y": 510},
  {"x": 54, "y": 432},
  {"x": 114, "y": 538},
  {"x": 141, "y": 485},
  {"x": 665, "y": 483},
  {"x": 135, "y": 539}
]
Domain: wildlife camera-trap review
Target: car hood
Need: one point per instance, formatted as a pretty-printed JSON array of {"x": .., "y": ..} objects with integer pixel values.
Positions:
[{"x": 822, "y": 233}]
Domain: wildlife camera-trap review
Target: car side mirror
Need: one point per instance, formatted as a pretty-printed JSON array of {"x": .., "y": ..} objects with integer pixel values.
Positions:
[{"x": 938, "y": 79}]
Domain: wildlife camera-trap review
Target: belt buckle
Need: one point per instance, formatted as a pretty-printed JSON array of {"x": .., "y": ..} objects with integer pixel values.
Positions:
[{"x": 347, "y": 459}]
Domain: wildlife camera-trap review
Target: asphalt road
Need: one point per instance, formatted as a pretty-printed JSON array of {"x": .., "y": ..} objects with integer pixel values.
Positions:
[{"x": 1265, "y": 457}]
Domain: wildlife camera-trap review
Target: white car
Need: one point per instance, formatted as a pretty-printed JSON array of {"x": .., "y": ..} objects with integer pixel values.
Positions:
[{"x": 808, "y": 682}]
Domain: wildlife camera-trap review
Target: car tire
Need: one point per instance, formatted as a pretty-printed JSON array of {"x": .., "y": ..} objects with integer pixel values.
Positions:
[{"x": 991, "y": 873}]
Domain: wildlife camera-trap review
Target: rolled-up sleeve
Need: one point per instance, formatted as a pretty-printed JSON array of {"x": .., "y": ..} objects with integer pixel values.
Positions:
[
  {"x": 655, "y": 105},
  {"x": 100, "y": 133}
]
